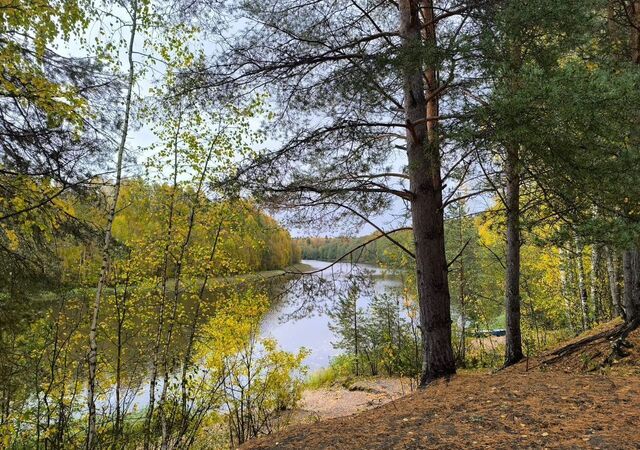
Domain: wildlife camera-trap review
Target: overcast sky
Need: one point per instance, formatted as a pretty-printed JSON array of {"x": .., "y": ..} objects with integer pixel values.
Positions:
[{"x": 141, "y": 137}]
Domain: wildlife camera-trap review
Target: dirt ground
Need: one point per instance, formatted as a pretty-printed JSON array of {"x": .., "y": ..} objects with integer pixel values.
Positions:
[
  {"x": 328, "y": 403},
  {"x": 567, "y": 402}
]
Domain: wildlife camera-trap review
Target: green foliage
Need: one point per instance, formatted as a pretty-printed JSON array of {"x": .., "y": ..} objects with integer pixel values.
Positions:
[
  {"x": 379, "y": 338},
  {"x": 475, "y": 249}
]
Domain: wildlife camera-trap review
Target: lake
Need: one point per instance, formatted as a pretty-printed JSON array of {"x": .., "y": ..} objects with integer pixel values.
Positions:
[
  {"x": 298, "y": 316},
  {"x": 309, "y": 328}
]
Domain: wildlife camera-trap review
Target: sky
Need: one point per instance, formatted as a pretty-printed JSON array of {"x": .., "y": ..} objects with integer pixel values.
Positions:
[{"x": 141, "y": 137}]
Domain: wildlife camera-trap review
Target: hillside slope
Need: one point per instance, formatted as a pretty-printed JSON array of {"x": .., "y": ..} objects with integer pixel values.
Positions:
[{"x": 564, "y": 403}]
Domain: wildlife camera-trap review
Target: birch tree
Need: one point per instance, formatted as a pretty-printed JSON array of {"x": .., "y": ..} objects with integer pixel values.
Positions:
[{"x": 134, "y": 11}]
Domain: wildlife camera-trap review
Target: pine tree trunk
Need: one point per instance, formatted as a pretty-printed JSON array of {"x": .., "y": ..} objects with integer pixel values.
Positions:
[
  {"x": 513, "y": 351},
  {"x": 426, "y": 186},
  {"x": 106, "y": 247},
  {"x": 631, "y": 268}
]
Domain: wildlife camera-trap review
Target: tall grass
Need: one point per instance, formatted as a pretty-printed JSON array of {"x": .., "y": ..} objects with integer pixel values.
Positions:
[{"x": 339, "y": 372}]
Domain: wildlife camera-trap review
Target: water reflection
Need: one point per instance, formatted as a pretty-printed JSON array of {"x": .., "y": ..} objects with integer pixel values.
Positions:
[{"x": 300, "y": 318}]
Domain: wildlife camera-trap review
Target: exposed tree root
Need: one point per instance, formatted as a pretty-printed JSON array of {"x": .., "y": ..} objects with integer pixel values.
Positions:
[
  {"x": 620, "y": 343},
  {"x": 618, "y": 337},
  {"x": 508, "y": 364},
  {"x": 576, "y": 346}
]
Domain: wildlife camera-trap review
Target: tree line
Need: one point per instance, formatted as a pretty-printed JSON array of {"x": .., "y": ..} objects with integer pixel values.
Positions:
[{"x": 330, "y": 249}]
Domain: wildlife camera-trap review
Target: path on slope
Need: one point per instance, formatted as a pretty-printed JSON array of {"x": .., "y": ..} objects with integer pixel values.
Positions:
[
  {"x": 361, "y": 395},
  {"x": 522, "y": 407},
  {"x": 503, "y": 411}
]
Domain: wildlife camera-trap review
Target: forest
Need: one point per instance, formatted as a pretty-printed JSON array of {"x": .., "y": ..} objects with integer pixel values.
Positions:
[
  {"x": 567, "y": 287},
  {"x": 167, "y": 168}
]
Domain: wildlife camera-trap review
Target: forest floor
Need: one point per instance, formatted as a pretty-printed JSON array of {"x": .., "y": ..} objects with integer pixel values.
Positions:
[{"x": 563, "y": 399}]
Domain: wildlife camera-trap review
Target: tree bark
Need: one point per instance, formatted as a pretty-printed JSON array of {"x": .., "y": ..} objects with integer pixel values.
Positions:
[
  {"x": 156, "y": 351},
  {"x": 631, "y": 268},
  {"x": 426, "y": 186},
  {"x": 594, "y": 282},
  {"x": 355, "y": 336},
  {"x": 463, "y": 311},
  {"x": 187, "y": 362},
  {"x": 106, "y": 247},
  {"x": 121, "y": 316},
  {"x": 564, "y": 288},
  {"x": 513, "y": 350}
]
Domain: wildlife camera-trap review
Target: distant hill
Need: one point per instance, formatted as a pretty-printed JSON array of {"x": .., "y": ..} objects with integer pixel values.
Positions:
[{"x": 376, "y": 251}]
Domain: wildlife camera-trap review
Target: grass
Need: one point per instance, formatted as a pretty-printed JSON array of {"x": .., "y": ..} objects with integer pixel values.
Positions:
[
  {"x": 338, "y": 372},
  {"x": 325, "y": 377},
  {"x": 498, "y": 322}
]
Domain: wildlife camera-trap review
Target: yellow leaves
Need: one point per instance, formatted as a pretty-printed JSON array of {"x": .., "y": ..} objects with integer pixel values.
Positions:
[
  {"x": 234, "y": 323},
  {"x": 18, "y": 203},
  {"x": 12, "y": 238},
  {"x": 6, "y": 432},
  {"x": 43, "y": 20},
  {"x": 66, "y": 207},
  {"x": 486, "y": 231}
]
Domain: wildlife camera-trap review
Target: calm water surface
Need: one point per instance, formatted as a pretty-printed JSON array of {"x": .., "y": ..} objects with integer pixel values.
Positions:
[{"x": 312, "y": 329}]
